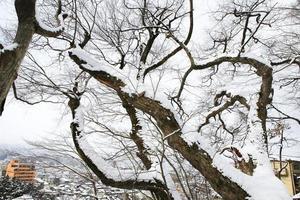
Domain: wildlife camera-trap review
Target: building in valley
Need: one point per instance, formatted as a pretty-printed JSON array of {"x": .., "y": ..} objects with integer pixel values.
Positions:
[{"x": 21, "y": 171}]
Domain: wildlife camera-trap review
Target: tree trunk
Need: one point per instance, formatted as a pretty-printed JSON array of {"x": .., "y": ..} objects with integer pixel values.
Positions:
[{"x": 10, "y": 60}]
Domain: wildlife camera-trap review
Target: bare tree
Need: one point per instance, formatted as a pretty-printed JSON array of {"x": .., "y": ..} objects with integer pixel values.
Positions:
[{"x": 207, "y": 107}]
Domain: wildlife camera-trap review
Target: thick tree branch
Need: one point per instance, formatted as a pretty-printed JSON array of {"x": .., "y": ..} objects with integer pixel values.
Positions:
[
  {"x": 262, "y": 70},
  {"x": 142, "y": 154},
  {"x": 156, "y": 187},
  {"x": 167, "y": 123},
  {"x": 10, "y": 60}
]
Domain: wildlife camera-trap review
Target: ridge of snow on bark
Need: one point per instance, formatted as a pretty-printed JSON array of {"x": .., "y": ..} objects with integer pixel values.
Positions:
[
  {"x": 78, "y": 118},
  {"x": 10, "y": 47},
  {"x": 263, "y": 183},
  {"x": 94, "y": 65},
  {"x": 127, "y": 76},
  {"x": 46, "y": 27}
]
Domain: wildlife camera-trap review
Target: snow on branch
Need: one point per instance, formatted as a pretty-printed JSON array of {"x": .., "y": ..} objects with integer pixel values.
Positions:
[
  {"x": 293, "y": 60},
  {"x": 112, "y": 172},
  {"x": 263, "y": 183},
  {"x": 165, "y": 119},
  {"x": 127, "y": 179},
  {"x": 91, "y": 64},
  {"x": 8, "y": 48},
  {"x": 44, "y": 30},
  {"x": 113, "y": 77},
  {"x": 102, "y": 165}
]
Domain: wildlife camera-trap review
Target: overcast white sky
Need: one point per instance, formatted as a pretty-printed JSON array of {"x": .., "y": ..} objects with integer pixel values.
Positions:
[{"x": 21, "y": 121}]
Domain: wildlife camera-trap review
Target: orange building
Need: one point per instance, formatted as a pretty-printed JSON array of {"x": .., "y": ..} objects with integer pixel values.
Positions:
[{"x": 20, "y": 171}]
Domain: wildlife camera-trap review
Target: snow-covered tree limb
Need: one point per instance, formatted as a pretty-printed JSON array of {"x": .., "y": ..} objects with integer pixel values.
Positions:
[
  {"x": 154, "y": 186},
  {"x": 167, "y": 123}
]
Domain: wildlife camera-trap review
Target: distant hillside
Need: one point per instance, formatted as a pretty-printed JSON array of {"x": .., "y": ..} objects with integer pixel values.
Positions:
[
  {"x": 11, "y": 150},
  {"x": 3, "y": 156}
]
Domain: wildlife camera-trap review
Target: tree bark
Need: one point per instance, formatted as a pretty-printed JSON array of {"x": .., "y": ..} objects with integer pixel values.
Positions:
[
  {"x": 10, "y": 60},
  {"x": 167, "y": 123}
]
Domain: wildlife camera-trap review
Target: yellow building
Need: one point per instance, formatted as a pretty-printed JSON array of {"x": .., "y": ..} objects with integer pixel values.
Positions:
[
  {"x": 20, "y": 171},
  {"x": 289, "y": 175}
]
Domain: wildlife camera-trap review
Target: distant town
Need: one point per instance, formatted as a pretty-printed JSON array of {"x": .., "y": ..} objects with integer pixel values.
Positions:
[
  {"x": 42, "y": 178},
  {"x": 46, "y": 179}
]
